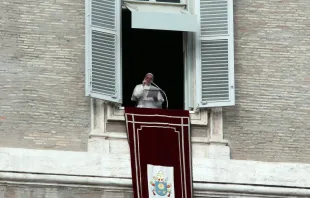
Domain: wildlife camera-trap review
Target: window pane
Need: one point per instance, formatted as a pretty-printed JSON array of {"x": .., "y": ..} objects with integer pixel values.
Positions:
[{"x": 170, "y": 1}]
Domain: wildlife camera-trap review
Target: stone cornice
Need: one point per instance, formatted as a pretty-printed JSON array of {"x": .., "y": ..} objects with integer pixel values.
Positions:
[
  {"x": 87, "y": 164},
  {"x": 125, "y": 184}
]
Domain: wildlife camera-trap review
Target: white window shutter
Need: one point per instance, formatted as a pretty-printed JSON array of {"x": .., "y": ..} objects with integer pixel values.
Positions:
[
  {"x": 103, "y": 56},
  {"x": 215, "y": 54}
]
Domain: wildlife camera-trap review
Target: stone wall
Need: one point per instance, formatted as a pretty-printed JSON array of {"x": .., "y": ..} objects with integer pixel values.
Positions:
[
  {"x": 271, "y": 119},
  {"x": 25, "y": 191},
  {"x": 42, "y": 102}
]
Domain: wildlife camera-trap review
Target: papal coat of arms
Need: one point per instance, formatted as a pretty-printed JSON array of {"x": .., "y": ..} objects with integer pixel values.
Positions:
[{"x": 160, "y": 185}]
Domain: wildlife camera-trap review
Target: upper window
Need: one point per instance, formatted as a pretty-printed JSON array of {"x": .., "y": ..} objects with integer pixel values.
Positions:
[{"x": 207, "y": 39}]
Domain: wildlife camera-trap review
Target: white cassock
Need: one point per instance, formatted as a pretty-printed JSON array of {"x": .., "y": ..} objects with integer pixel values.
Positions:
[{"x": 140, "y": 94}]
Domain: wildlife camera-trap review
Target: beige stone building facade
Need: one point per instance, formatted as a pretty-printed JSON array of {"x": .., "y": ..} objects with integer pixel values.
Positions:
[{"x": 57, "y": 143}]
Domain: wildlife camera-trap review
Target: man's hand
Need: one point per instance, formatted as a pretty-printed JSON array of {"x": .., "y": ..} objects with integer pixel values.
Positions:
[{"x": 155, "y": 98}]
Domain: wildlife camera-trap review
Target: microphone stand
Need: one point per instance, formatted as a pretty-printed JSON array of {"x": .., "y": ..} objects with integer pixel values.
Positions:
[{"x": 162, "y": 91}]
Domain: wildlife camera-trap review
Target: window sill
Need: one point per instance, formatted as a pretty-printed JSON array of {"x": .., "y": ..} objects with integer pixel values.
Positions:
[
  {"x": 197, "y": 118},
  {"x": 116, "y": 135}
]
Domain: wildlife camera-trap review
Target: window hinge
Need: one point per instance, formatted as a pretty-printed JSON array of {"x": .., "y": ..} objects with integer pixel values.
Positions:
[{"x": 204, "y": 102}]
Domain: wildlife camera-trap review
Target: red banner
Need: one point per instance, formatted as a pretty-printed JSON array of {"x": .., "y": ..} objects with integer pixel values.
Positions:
[{"x": 160, "y": 151}]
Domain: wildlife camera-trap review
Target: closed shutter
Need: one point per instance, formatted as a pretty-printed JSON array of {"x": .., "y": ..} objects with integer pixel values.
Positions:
[
  {"x": 103, "y": 64},
  {"x": 215, "y": 66}
]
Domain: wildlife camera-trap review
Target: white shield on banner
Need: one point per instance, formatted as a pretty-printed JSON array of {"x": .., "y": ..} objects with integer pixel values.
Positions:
[{"x": 160, "y": 181}]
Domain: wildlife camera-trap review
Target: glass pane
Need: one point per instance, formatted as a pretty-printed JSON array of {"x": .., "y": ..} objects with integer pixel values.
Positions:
[{"x": 169, "y": 1}]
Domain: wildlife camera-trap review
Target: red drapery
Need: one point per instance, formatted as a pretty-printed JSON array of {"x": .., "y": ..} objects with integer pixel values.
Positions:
[{"x": 159, "y": 141}]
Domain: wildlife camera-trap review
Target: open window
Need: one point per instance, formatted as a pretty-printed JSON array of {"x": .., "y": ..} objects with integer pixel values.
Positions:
[
  {"x": 207, "y": 53},
  {"x": 157, "y": 51},
  {"x": 215, "y": 54}
]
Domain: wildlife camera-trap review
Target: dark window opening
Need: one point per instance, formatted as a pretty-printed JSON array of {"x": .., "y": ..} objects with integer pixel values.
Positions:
[
  {"x": 167, "y": 1},
  {"x": 154, "y": 51}
]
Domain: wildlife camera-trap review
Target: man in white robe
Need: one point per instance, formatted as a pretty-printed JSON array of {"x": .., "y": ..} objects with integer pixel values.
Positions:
[{"x": 142, "y": 96}]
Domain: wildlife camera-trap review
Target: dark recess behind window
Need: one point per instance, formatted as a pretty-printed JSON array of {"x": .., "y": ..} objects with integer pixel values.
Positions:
[
  {"x": 168, "y": 1},
  {"x": 158, "y": 52}
]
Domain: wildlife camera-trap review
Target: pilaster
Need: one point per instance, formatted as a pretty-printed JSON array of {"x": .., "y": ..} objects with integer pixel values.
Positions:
[
  {"x": 97, "y": 142},
  {"x": 218, "y": 147}
]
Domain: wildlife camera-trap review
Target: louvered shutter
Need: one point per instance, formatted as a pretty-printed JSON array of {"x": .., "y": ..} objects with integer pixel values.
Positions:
[
  {"x": 215, "y": 66},
  {"x": 103, "y": 64}
]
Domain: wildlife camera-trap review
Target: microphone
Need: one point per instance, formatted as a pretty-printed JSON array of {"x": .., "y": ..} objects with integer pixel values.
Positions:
[{"x": 162, "y": 91}]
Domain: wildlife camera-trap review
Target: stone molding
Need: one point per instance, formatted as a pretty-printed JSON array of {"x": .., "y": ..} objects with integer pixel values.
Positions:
[
  {"x": 218, "y": 177},
  {"x": 115, "y": 135},
  {"x": 121, "y": 185},
  {"x": 115, "y": 113},
  {"x": 103, "y": 112}
]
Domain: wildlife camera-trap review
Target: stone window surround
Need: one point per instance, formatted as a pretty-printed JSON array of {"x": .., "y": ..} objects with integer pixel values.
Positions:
[
  {"x": 103, "y": 112},
  {"x": 199, "y": 117}
]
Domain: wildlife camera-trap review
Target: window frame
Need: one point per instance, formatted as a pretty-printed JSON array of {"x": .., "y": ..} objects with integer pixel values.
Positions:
[
  {"x": 188, "y": 42},
  {"x": 190, "y": 65}
]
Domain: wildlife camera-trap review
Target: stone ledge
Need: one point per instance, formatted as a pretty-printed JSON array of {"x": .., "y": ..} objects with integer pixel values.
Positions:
[
  {"x": 115, "y": 113},
  {"x": 125, "y": 184},
  {"x": 118, "y": 135},
  {"x": 86, "y": 164}
]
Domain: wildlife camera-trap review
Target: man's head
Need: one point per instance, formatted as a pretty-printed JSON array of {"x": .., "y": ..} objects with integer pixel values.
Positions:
[{"x": 148, "y": 78}]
